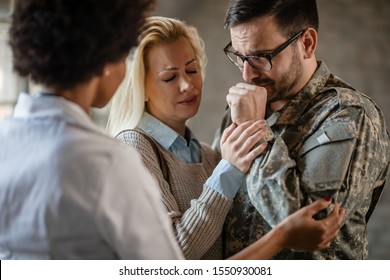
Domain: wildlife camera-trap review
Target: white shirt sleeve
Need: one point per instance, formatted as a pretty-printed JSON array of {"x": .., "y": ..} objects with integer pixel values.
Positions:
[{"x": 130, "y": 214}]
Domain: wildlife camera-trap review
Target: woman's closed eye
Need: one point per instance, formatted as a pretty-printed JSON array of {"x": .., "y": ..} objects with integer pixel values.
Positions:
[
  {"x": 168, "y": 79},
  {"x": 192, "y": 71},
  {"x": 172, "y": 77}
]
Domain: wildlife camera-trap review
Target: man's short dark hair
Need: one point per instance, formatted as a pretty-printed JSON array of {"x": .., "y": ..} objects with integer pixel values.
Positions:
[
  {"x": 61, "y": 43},
  {"x": 290, "y": 15}
]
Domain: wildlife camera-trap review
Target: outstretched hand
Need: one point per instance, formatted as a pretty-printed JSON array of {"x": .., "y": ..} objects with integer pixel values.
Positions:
[{"x": 306, "y": 233}]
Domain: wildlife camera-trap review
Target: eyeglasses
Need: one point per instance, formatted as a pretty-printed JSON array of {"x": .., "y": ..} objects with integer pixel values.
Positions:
[{"x": 261, "y": 61}]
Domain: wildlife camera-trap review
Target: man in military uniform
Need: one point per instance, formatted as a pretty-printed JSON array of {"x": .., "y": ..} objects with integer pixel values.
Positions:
[{"x": 326, "y": 140}]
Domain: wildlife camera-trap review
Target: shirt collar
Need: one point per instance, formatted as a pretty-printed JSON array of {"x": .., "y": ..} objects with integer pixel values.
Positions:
[
  {"x": 290, "y": 113},
  {"x": 52, "y": 106},
  {"x": 162, "y": 133}
]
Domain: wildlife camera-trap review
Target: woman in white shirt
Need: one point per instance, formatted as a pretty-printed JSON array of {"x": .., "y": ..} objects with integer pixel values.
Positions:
[{"x": 68, "y": 191}]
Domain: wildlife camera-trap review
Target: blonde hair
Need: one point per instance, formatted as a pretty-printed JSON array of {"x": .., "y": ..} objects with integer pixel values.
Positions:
[{"x": 128, "y": 103}]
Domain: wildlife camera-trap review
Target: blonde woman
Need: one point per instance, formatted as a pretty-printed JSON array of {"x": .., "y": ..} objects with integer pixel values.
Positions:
[{"x": 161, "y": 92}]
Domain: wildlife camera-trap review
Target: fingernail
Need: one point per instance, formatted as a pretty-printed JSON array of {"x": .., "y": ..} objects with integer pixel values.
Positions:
[{"x": 328, "y": 198}]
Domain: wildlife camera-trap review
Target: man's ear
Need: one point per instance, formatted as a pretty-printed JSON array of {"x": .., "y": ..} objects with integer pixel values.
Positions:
[{"x": 309, "y": 42}]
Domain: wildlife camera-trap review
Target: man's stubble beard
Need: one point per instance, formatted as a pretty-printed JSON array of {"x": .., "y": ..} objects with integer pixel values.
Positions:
[{"x": 281, "y": 89}]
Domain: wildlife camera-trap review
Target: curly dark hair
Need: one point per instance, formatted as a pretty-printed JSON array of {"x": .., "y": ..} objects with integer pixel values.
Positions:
[{"x": 61, "y": 43}]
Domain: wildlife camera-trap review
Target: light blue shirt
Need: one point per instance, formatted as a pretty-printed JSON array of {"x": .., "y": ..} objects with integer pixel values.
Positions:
[
  {"x": 68, "y": 191},
  {"x": 226, "y": 178}
]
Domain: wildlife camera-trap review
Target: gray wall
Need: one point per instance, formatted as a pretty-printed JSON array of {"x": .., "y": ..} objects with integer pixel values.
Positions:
[{"x": 354, "y": 42}]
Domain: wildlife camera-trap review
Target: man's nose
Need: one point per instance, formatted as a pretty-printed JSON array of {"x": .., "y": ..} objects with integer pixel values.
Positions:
[{"x": 248, "y": 72}]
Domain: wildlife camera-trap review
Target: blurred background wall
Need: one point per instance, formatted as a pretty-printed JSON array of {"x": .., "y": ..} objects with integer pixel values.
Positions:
[{"x": 354, "y": 42}]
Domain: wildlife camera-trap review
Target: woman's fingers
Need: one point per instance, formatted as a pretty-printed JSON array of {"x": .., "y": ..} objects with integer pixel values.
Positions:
[
  {"x": 316, "y": 206},
  {"x": 241, "y": 145},
  {"x": 332, "y": 225},
  {"x": 252, "y": 137},
  {"x": 227, "y": 132},
  {"x": 240, "y": 129},
  {"x": 254, "y": 153},
  {"x": 306, "y": 233}
]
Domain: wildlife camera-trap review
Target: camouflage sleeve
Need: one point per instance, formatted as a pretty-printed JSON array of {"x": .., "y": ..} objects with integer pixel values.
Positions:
[{"x": 334, "y": 161}]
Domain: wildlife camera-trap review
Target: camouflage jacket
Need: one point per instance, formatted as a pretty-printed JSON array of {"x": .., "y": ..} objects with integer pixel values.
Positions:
[{"x": 330, "y": 140}]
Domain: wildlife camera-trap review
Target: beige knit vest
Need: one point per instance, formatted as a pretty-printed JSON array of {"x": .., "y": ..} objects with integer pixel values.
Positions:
[{"x": 197, "y": 212}]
